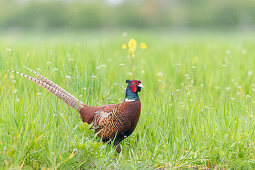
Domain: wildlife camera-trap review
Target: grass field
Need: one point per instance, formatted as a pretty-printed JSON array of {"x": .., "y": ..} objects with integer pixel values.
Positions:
[{"x": 198, "y": 101}]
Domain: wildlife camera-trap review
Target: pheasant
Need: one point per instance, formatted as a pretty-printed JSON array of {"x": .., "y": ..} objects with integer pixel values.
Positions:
[{"x": 112, "y": 122}]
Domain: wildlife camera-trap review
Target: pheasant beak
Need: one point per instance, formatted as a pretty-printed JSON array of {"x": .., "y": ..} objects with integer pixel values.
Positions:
[{"x": 140, "y": 85}]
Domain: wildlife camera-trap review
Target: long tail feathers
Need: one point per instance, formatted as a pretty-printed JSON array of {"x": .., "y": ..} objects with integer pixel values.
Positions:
[
  {"x": 54, "y": 89},
  {"x": 44, "y": 79}
]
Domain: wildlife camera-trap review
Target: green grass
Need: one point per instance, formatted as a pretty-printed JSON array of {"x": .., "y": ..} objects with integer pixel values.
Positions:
[{"x": 197, "y": 102}]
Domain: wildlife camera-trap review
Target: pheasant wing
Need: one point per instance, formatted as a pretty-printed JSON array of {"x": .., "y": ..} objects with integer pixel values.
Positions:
[{"x": 109, "y": 121}]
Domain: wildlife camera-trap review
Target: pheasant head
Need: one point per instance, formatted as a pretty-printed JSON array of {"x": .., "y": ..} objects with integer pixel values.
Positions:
[{"x": 133, "y": 87}]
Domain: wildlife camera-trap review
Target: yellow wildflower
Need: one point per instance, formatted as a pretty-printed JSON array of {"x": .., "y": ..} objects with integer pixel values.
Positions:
[
  {"x": 131, "y": 50},
  {"x": 132, "y": 45},
  {"x": 132, "y": 56},
  {"x": 124, "y": 46},
  {"x": 143, "y": 46}
]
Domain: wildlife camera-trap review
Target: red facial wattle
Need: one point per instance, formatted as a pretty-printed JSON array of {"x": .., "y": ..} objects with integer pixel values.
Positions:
[{"x": 133, "y": 86}]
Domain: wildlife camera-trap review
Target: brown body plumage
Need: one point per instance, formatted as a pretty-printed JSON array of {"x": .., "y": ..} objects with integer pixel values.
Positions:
[{"x": 115, "y": 121}]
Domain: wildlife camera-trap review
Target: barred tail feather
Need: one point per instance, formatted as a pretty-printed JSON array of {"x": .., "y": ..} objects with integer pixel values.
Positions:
[
  {"x": 44, "y": 79},
  {"x": 54, "y": 89}
]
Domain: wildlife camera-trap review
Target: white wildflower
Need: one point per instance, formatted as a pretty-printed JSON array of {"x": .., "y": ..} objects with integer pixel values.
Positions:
[
  {"x": 55, "y": 69},
  {"x": 48, "y": 63},
  {"x": 17, "y": 99},
  {"x": 68, "y": 77},
  {"x": 193, "y": 67},
  {"x": 70, "y": 59},
  {"x": 249, "y": 73},
  {"x": 101, "y": 66},
  {"x": 224, "y": 65},
  {"x": 182, "y": 84},
  {"x": 160, "y": 74},
  {"x": 232, "y": 98},
  {"x": 39, "y": 93},
  {"x": 159, "y": 80},
  {"x": 12, "y": 77},
  {"x": 228, "y": 88},
  {"x": 14, "y": 91},
  {"x": 238, "y": 93},
  {"x": 248, "y": 96},
  {"x": 201, "y": 85},
  {"x": 8, "y": 49},
  {"x": 84, "y": 88},
  {"x": 187, "y": 76},
  {"x": 243, "y": 51},
  {"x": 239, "y": 87},
  {"x": 142, "y": 71},
  {"x": 94, "y": 76},
  {"x": 253, "y": 89},
  {"x": 178, "y": 90},
  {"x": 39, "y": 69},
  {"x": 122, "y": 64}
]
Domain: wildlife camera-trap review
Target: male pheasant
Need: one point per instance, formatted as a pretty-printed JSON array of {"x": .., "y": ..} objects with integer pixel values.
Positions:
[{"x": 112, "y": 122}]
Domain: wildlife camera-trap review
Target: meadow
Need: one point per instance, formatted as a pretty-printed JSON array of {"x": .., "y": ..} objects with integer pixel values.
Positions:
[{"x": 197, "y": 101}]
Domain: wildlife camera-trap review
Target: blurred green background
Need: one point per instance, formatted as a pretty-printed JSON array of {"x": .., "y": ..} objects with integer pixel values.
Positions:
[
  {"x": 198, "y": 104},
  {"x": 73, "y": 15}
]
